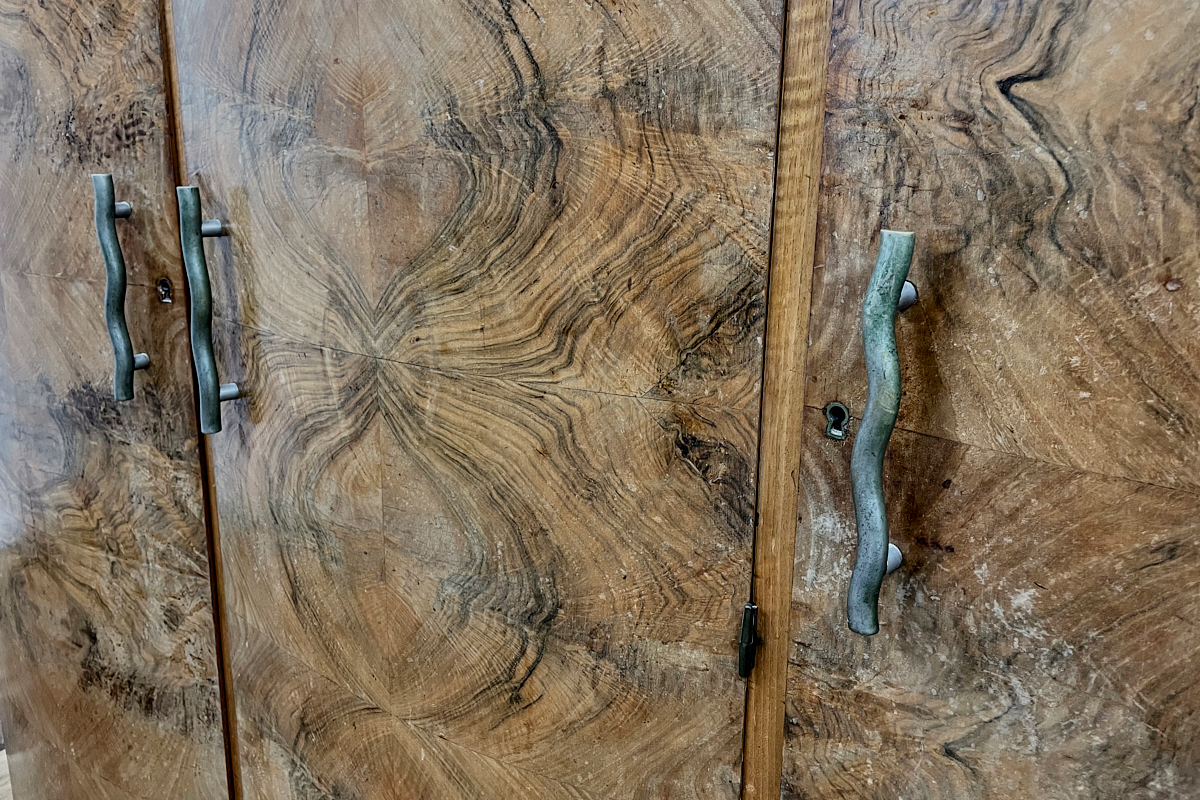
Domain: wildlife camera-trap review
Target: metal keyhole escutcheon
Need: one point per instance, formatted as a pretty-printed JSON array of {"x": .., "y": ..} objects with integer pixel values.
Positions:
[{"x": 837, "y": 420}]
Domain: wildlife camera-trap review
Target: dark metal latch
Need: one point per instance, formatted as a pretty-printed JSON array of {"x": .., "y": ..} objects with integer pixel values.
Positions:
[{"x": 748, "y": 643}]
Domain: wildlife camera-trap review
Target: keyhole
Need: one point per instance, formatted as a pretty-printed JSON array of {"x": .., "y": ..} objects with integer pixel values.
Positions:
[
  {"x": 837, "y": 417},
  {"x": 164, "y": 291}
]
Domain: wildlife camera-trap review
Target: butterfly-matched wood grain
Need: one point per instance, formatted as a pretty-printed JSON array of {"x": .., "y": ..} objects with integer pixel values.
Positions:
[
  {"x": 1038, "y": 640},
  {"x": 109, "y": 677},
  {"x": 495, "y": 287}
]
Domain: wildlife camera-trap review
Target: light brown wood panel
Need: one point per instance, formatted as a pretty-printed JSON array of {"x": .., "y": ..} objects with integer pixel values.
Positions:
[
  {"x": 41, "y": 768},
  {"x": 495, "y": 285},
  {"x": 108, "y": 627},
  {"x": 1045, "y": 155},
  {"x": 82, "y": 92},
  {"x": 1038, "y": 641},
  {"x": 567, "y": 195},
  {"x": 513, "y": 578},
  {"x": 107, "y": 667}
]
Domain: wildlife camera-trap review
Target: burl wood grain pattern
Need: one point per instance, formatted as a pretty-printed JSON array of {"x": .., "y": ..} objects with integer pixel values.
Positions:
[
  {"x": 1046, "y": 155},
  {"x": 1039, "y": 640},
  {"x": 495, "y": 287},
  {"x": 107, "y": 666}
]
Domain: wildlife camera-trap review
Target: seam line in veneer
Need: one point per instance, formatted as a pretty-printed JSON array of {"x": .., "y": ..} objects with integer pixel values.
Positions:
[
  {"x": 457, "y": 374},
  {"x": 1191, "y": 492},
  {"x": 69, "y": 279}
]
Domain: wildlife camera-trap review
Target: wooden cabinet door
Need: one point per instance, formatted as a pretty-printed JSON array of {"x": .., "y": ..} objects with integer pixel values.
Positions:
[
  {"x": 494, "y": 289},
  {"x": 1040, "y": 639},
  {"x": 108, "y": 667}
]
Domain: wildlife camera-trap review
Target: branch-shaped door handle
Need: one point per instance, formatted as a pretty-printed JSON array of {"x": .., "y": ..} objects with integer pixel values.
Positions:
[
  {"x": 192, "y": 231},
  {"x": 108, "y": 211},
  {"x": 887, "y": 293}
]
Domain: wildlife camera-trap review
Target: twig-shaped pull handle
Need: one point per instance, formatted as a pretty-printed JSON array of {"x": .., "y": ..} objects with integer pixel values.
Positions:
[
  {"x": 125, "y": 361},
  {"x": 192, "y": 230},
  {"x": 875, "y": 557}
]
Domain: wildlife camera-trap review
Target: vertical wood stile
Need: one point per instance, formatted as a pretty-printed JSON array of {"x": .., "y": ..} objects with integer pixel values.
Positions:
[
  {"x": 793, "y": 240},
  {"x": 216, "y": 570}
]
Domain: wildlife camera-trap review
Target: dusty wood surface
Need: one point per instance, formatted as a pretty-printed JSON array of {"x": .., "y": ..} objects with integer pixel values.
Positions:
[
  {"x": 106, "y": 640},
  {"x": 496, "y": 289},
  {"x": 790, "y": 289},
  {"x": 1045, "y": 154},
  {"x": 1038, "y": 640}
]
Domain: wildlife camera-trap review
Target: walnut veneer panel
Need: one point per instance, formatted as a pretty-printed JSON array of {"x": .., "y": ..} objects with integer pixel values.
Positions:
[
  {"x": 106, "y": 624},
  {"x": 107, "y": 652},
  {"x": 1038, "y": 641},
  {"x": 1046, "y": 156},
  {"x": 495, "y": 286}
]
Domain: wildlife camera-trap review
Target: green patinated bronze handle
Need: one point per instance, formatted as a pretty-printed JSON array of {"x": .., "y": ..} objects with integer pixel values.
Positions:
[
  {"x": 125, "y": 361},
  {"x": 876, "y": 556},
  {"x": 192, "y": 230}
]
